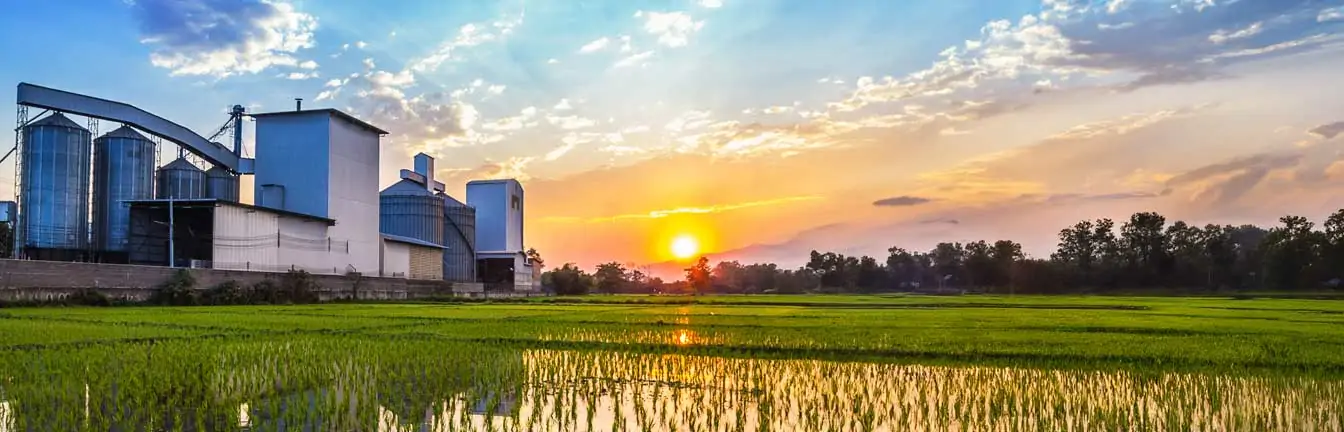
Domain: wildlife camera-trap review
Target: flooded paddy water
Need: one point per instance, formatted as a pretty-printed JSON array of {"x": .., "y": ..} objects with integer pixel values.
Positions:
[{"x": 540, "y": 374}]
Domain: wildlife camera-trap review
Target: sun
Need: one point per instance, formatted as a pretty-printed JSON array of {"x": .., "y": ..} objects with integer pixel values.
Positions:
[{"x": 684, "y": 247}]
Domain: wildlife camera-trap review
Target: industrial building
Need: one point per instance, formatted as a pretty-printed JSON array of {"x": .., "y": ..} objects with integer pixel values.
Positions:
[{"x": 82, "y": 196}]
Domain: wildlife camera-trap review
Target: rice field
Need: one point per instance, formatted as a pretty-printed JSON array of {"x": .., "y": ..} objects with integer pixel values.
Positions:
[{"x": 615, "y": 363}]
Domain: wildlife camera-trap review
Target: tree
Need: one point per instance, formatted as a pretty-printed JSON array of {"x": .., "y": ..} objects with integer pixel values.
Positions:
[
  {"x": 569, "y": 279},
  {"x": 610, "y": 277},
  {"x": 728, "y": 275},
  {"x": 948, "y": 262},
  {"x": 1143, "y": 245},
  {"x": 1006, "y": 254},
  {"x": 1332, "y": 249},
  {"x": 535, "y": 257},
  {"x": 980, "y": 264},
  {"x": 871, "y": 275},
  {"x": 697, "y": 276},
  {"x": 1290, "y": 253}
]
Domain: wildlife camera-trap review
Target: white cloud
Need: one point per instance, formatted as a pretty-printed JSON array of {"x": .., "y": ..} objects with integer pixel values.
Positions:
[
  {"x": 300, "y": 75},
  {"x": 495, "y": 89},
  {"x": 552, "y": 61},
  {"x": 635, "y": 59},
  {"x": 361, "y": 44},
  {"x": 711, "y": 4},
  {"x": 222, "y": 39},
  {"x": 468, "y": 35},
  {"x": 595, "y": 46},
  {"x": 1331, "y": 14},
  {"x": 1221, "y": 36},
  {"x": 308, "y": 65},
  {"x": 333, "y": 83},
  {"x": 673, "y": 29},
  {"x": 570, "y": 122},
  {"x": 562, "y": 105}
]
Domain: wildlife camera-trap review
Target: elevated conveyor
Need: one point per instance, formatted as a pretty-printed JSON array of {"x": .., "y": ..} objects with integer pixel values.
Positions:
[{"x": 88, "y": 106}]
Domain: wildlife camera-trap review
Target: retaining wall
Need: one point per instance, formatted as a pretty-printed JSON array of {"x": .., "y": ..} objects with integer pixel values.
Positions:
[{"x": 47, "y": 280}]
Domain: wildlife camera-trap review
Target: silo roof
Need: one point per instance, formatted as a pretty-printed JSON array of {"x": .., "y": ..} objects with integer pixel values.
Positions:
[
  {"x": 124, "y": 132},
  {"x": 180, "y": 164},
  {"x": 58, "y": 120},
  {"x": 406, "y": 187}
]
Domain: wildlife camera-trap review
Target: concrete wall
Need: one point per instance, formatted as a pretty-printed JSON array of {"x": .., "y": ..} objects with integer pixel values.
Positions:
[
  {"x": 352, "y": 194},
  {"x": 426, "y": 263},
  {"x": 396, "y": 260},
  {"x": 47, "y": 280}
]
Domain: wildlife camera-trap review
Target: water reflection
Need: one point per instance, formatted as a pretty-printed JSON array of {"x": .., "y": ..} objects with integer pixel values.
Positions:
[{"x": 444, "y": 387}]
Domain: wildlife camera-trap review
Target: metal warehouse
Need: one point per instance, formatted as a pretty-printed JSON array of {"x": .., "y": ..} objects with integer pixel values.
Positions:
[{"x": 81, "y": 196}]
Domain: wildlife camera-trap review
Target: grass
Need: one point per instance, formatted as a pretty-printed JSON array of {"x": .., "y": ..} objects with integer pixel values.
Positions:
[{"x": 855, "y": 361}]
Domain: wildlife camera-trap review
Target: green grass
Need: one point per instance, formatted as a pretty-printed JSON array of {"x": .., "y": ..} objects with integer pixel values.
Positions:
[{"x": 200, "y": 363}]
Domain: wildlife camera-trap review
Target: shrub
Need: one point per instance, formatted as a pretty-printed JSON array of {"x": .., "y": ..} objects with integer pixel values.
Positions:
[
  {"x": 298, "y": 286},
  {"x": 226, "y": 293},
  {"x": 87, "y": 297},
  {"x": 178, "y": 290}
]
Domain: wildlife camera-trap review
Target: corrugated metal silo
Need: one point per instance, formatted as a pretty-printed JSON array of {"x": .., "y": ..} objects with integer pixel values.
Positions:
[
  {"x": 221, "y": 184},
  {"x": 408, "y": 209},
  {"x": 180, "y": 179},
  {"x": 123, "y": 169},
  {"x": 54, "y": 200},
  {"x": 459, "y": 236}
]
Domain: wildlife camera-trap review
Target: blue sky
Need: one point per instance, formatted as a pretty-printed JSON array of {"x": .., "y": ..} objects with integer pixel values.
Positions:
[{"x": 764, "y": 127}]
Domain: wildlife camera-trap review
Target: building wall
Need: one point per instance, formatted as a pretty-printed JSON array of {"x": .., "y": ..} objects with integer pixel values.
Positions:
[
  {"x": 258, "y": 240},
  {"x": 499, "y": 214},
  {"x": 353, "y": 197},
  {"x": 426, "y": 263},
  {"x": 245, "y": 238},
  {"x": 396, "y": 259},
  {"x": 293, "y": 150},
  {"x": 22, "y": 280}
]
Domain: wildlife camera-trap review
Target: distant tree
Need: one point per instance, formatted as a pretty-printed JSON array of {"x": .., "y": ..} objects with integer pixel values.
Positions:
[
  {"x": 610, "y": 277},
  {"x": 1290, "y": 253},
  {"x": 535, "y": 257},
  {"x": 698, "y": 276},
  {"x": 871, "y": 276},
  {"x": 949, "y": 260},
  {"x": 569, "y": 279},
  {"x": 1143, "y": 243},
  {"x": 980, "y": 265},
  {"x": 1332, "y": 249},
  {"x": 728, "y": 276},
  {"x": 1006, "y": 254}
]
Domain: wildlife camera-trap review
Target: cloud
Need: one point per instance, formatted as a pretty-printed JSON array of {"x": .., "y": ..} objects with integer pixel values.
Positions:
[
  {"x": 595, "y": 46},
  {"x": 511, "y": 168},
  {"x": 300, "y": 75},
  {"x": 223, "y": 38},
  {"x": 901, "y": 201},
  {"x": 468, "y": 35},
  {"x": 695, "y": 210},
  {"x": 674, "y": 29},
  {"x": 634, "y": 60},
  {"x": 1225, "y": 182},
  {"x": 1328, "y": 131},
  {"x": 1331, "y": 14},
  {"x": 1160, "y": 42},
  {"x": 560, "y": 151},
  {"x": 711, "y": 4}
]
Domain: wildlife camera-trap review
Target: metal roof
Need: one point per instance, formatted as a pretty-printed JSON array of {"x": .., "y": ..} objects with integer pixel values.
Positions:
[
  {"x": 408, "y": 240},
  {"x": 58, "y": 120},
  {"x": 449, "y": 200},
  {"x": 124, "y": 132},
  {"x": 330, "y": 111},
  {"x": 181, "y": 164},
  {"x": 406, "y": 187},
  {"x": 204, "y": 201},
  {"x": 490, "y": 181}
]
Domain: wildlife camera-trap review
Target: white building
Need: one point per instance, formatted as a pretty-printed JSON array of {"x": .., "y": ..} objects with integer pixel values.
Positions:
[
  {"x": 316, "y": 179},
  {"x": 500, "y": 254}
]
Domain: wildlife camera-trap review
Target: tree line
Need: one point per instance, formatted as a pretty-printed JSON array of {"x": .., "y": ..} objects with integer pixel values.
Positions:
[{"x": 1143, "y": 253}]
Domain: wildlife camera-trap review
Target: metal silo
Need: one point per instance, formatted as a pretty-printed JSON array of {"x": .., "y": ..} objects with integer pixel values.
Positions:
[
  {"x": 459, "y": 238},
  {"x": 123, "y": 169},
  {"x": 221, "y": 184},
  {"x": 180, "y": 179},
  {"x": 407, "y": 209},
  {"x": 54, "y": 198}
]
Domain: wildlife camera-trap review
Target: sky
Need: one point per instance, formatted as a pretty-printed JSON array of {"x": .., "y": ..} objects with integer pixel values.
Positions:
[{"x": 763, "y": 128}]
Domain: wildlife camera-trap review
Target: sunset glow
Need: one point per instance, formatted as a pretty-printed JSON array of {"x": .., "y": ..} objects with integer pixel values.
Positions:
[{"x": 685, "y": 247}]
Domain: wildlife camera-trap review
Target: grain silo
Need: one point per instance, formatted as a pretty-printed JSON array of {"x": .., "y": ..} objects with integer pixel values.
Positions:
[
  {"x": 123, "y": 170},
  {"x": 180, "y": 179},
  {"x": 54, "y": 192},
  {"x": 459, "y": 240},
  {"x": 408, "y": 209},
  {"x": 221, "y": 184}
]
